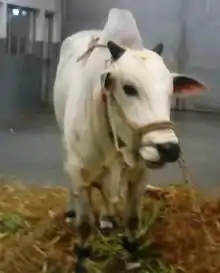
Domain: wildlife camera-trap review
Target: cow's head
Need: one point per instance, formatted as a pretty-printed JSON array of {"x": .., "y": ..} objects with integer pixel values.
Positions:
[{"x": 143, "y": 87}]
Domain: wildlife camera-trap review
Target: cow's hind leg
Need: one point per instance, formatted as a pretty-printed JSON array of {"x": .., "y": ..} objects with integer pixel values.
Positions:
[{"x": 84, "y": 215}]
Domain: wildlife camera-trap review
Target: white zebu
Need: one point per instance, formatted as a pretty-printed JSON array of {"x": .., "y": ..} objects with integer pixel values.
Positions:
[{"x": 138, "y": 89}]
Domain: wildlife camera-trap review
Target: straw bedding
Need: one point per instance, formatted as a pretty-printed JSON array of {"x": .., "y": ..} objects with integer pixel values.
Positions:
[{"x": 34, "y": 236}]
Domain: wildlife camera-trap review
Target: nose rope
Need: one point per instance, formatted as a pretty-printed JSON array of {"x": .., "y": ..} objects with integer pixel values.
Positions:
[
  {"x": 194, "y": 198},
  {"x": 181, "y": 162}
]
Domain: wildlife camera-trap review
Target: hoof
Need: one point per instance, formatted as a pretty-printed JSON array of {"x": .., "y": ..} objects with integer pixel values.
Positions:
[
  {"x": 79, "y": 268},
  {"x": 83, "y": 252},
  {"x": 130, "y": 245},
  {"x": 131, "y": 266},
  {"x": 107, "y": 224}
]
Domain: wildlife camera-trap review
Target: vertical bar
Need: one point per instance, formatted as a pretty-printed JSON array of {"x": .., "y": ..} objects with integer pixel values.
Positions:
[
  {"x": 63, "y": 16},
  {"x": 34, "y": 29},
  {"x": 18, "y": 45},
  {"x": 30, "y": 32},
  {"x": 3, "y": 23},
  {"x": 182, "y": 51},
  {"x": 8, "y": 30}
]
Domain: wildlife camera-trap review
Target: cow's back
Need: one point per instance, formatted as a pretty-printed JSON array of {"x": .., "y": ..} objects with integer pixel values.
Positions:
[{"x": 69, "y": 71}]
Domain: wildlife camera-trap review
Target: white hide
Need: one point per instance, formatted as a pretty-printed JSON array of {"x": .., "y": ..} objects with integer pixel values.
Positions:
[
  {"x": 79, "y": 108},
  {"x": 79, "y": 112},
  {"x": 77, "y": 91}
]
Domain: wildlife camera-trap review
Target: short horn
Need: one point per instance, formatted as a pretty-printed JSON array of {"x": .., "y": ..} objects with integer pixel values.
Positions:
[
  {"x": 115, "y": 50},
  {"x": 159, "y": 48}
]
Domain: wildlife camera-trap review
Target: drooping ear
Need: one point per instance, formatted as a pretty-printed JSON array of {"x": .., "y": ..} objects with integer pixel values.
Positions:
[
  {"x": 107, "y": 81},
  {"x": 159, "y": 48},
  {"x": 115, "y": 50},
  {"x": 187, "y": 86}
]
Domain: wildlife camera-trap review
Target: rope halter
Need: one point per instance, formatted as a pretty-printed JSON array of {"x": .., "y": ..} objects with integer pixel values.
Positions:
[{"x": 138, "y": 132}]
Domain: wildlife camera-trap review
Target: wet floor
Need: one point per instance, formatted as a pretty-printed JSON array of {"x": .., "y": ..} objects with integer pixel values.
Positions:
[{"x": 32, "y": 151}]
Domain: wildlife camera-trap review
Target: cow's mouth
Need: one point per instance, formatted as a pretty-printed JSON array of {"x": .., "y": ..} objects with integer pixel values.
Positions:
[{"x": 155, "y": 164}]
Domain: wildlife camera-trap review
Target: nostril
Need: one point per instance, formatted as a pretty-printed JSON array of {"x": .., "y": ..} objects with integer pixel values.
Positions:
[{"x": 168, "y": 151}]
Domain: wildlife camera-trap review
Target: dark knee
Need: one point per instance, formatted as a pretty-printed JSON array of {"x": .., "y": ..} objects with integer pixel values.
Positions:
[
  {"x": 84, "y": 229},
  {"x": 70, "y": 214},
  {"x": 132, "y": 223}
]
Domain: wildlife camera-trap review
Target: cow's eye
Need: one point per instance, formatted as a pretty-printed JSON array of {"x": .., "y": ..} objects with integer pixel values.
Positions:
[{"x": 130, "y": 90}]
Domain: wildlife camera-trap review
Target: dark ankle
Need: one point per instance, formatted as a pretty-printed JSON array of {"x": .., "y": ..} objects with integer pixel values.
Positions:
[
  {"x": 70, "y": 214},
  {"x": 80, "y": 268},
  {"x": 82, "y": 252},
  {"x": 131, "y": 245}
]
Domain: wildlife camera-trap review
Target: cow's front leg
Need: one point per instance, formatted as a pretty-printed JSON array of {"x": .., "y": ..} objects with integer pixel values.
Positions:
[
  {"x": 84, "y": 215},
  {"x": 136, "y": 185},
  {"x": 111, "y": 194}
]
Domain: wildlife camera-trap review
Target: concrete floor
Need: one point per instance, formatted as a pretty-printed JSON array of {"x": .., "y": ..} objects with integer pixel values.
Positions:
[{"x": 32, "y": 151}]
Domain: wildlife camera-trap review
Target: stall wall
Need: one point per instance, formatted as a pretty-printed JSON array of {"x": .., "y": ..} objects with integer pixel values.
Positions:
[{"x": 188, "y": 28}]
